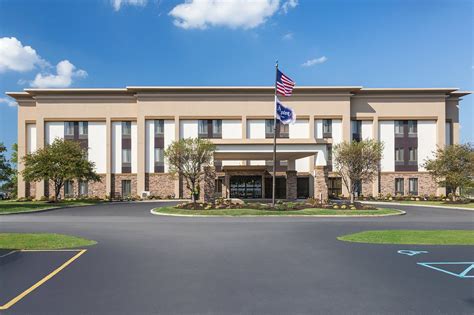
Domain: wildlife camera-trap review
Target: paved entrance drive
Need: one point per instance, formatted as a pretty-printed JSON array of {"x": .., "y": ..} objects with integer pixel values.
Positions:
[{"x": 145, "y": 264}]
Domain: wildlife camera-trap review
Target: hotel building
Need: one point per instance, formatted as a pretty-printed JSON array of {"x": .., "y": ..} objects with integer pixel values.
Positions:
[{"x": 126, "y": 131}]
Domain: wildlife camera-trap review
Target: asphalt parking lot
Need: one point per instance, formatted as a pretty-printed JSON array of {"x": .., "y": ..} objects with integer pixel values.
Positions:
[{"x": 145, "y": 264}]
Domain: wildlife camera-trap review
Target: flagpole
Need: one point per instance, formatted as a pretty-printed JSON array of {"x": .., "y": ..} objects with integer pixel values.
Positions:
[{"x": 274, "y": 137}]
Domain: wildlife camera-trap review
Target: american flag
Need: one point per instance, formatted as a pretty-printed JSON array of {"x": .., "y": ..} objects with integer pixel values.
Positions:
[{"x": 284, "y": 84}]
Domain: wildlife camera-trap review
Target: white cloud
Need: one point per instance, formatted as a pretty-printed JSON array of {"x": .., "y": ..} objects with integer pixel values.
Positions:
[
  {"x": 65, "y": 73},
  {"x": 16, "y": 57},
  {"x": 246, "y": 14},
  {"x": 287, "y": 5},
  {"x": 288, "y": 36},
  {"x": 6, "y": 100},
  {"x": 315, "y": 61},
  {"x": 117, "y": 4}
]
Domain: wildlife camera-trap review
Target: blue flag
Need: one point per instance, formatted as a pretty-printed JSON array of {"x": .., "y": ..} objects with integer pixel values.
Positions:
[{"x": 283, "y": 113}]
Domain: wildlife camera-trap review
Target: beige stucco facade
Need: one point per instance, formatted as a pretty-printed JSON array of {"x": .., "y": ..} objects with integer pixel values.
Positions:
[{"x": 182, "y": 107}]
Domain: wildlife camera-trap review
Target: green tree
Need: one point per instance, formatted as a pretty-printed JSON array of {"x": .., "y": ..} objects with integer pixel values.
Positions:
[
  {"x": 357, "y": 162},
  {"x": 11, "y": 184},
  {"x": 5, "y": 167},
  {"x": 59, "y": 162},
  {"x": 186, "y": 158},
  {"x": 452, "y": 166}
]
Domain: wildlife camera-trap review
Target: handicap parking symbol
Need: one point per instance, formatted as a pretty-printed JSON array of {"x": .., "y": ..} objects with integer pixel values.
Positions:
[{"x": 411, "y": 252}]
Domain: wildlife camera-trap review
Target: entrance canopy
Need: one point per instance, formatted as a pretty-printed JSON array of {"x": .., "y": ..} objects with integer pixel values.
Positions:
[{"x": 265, "y": 151}]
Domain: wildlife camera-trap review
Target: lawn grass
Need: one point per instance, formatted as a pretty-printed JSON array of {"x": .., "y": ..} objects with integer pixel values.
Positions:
[
  {"x": 255, "y": 212},
  {"x": 433, "y": 203},
  {"x": 11, "y": 206},
  {"x": 41, "y": 241},
  {"x": 412, "y": 237}
]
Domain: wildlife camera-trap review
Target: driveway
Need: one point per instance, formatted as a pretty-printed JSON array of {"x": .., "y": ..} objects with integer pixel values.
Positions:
[{"x": 145, "y": 264}]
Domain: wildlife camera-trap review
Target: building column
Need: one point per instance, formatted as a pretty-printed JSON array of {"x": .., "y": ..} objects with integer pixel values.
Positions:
[
  {"x": 208, "y": 184},
  {"x": 346, "y": 135},
  {"x": 320, "y": 183},
  {"x": 375, "y": 136},
  {"x": 108, "y": 157},
  {"x": 177, "y": 183},
  {"x": 21, "y": 185},
  {"x": 291, "y": 180},
  {"x": 141, "y": 134},
  {"x": 440, "y": 140},
  {"x": 40, "y": 141}
]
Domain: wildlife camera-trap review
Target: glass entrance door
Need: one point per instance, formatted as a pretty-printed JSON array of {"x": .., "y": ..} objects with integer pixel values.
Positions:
[{"x": 246, "y": 187}]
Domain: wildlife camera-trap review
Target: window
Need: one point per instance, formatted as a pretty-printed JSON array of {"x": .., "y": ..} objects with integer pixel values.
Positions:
[
  {"x": 334, "y": 186},
  {"x": 126, "y": 128},
  {"x": 83, "y": 188},
  {"x": 203, "y": 130},
  {"x": 399, "y": 183},
  {"x": 159, "y": 156},
  {"x": 83, "y": 128},
  {"x": 398, "y": 128},
  {"x": 217, "y": 128},
  {"x": 68, "y": 189},
  {"x": 358, "y": 188},
  {"x": 356, "y": 130},
  {"x": 412, "y": 128},
  {"x": 399, "y": 155},
  {"x": 126, "y": 156},
  {"x": 269, "y": 128},
  {"x": 413, "y": 186},
  {"x": 329, "y": 158},
  {"x": 327, "y": 128},
  {"x": 284, "y": 163},
  {"x": 282, "y": 130},
  {"x": 413, "y": 152},
  {"x": 126, "y": 188},
  {"x": 159, "y": 128},
  {"x": 69, "y": 128}
]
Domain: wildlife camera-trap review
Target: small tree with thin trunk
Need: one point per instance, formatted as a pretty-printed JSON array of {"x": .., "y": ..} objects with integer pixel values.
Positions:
[
  {"x": 59, "y": 162},
  {"x": 357, "y": 162},
  {"x": 186, "y": 158},
  {"x": 452, "y": 166}
]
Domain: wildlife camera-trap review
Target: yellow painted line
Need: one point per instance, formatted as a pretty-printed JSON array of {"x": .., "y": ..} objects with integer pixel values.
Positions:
[{"x": 42, "y": 281}]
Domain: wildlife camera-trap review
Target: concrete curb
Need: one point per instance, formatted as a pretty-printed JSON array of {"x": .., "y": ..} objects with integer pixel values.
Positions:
[
  {"x": 400, "y": 212},
  {"x": 99, "y": 203},
  {"x": 412, "y": 205}
]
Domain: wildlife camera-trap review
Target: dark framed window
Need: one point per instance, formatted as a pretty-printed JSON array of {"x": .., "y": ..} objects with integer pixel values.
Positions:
[
  {"x": 357, "y": 130},
  {"x": 126, "y": 156},
  {"x": 399, "y": 128},
  {"x": 334, "y": 186},
  {"x": 68, "y": 189},
  {"x": 413, "y": 154},
  {"x": 399, "y": 155},
  {"x": 327, "y": 128},
  {"x": 412, "y": 128},
  {"x": 413, "y": 186},
  {"x": 210, "y": 128},
  {"x": 159, "y": 128},
  {"x": 329, "y": 157},
  {"x": 126, "y": 129},
  {"x": 399, "y": 186},
  {"x": 126, "y": 188},
  {"x": 69, "y": 128},
  {"x": 159, "y": 156},
  {"x": 83, "y": 188},
  {"x": 83, "y": 129},
  {"x": 282, "y": 130}
]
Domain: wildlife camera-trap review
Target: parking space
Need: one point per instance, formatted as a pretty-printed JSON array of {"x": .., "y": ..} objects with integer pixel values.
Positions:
[{"x": 23, "y": 271}]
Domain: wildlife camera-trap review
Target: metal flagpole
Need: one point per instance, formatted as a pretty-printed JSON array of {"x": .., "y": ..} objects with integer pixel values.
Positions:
[{"x": 274, "y": 137}]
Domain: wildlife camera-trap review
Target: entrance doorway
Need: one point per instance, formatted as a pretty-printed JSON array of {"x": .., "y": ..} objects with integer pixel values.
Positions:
[
  {"x": 246, "y": 187},
  {"x": 280, "y": 187}
]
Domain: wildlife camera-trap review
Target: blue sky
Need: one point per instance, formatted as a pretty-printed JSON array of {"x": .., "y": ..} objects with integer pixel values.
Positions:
[{"x": 113, "y": 43}]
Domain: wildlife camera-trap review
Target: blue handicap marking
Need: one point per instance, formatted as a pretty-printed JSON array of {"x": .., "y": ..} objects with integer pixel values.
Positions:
[
  {"x": 462, "y": 269},
  {"x": 411, "y": 252}
]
